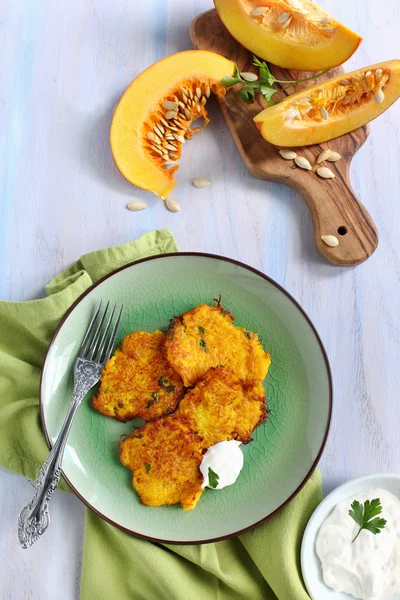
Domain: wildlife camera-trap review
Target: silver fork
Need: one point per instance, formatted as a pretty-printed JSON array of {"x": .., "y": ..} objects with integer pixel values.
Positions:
[{"x": 94, "y": 352}]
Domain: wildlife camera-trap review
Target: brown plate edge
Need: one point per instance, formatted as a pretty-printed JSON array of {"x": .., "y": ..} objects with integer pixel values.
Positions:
[{"x": 328, "y": 369}]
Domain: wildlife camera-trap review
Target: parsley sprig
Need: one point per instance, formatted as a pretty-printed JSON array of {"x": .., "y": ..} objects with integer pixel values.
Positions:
[
  {"x": 264, "y": 85},
  {"x": 363, "y": 516},
  {"x": 213, "y": 478}
]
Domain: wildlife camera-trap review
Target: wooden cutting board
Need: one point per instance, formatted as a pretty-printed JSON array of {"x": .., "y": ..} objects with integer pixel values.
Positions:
[{"x": 334, "y": 207}]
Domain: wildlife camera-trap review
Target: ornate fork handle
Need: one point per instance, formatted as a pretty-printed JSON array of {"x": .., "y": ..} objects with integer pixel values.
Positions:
[{"x": 34, "y": 518}]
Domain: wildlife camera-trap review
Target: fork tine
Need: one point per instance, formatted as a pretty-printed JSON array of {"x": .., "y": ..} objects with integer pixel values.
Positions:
[
  {"x": 89, "y": 331},
  {"x": 110, "y": 345},
  {"x": 103, "y": 341},
  {"x": 92, "y": 347}
]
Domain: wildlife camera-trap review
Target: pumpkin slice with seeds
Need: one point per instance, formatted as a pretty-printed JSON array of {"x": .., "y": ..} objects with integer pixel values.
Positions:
[
  {"x": 332, "y": 108},
  {"x": 154, "y": 116},
  {"x": 295, "y": 34}
]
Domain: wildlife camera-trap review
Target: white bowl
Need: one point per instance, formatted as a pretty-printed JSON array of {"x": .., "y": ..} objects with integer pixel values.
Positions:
[{"x": 310, "y": 563}]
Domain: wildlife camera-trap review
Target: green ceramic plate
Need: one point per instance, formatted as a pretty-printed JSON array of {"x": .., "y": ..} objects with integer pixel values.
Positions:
[{"x": 285, "y": 449}]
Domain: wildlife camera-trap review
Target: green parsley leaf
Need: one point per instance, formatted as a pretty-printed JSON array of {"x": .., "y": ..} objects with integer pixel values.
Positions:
[
  {"x": 203, "y": 345},
  {"x": 229, "y": 81},
  {"x": 213, "y": 478},
  {"x": 147, "y": 466},
  {"x": 363, "y": 516},
  {"x": 170, "y": 388}
]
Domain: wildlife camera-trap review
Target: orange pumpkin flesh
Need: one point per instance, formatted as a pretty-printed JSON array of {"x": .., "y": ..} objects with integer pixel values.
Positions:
[
  {"x": 153, "y": 117},
  {"x": 332, "y": 108},
  {"x": 294, "y": 34}
]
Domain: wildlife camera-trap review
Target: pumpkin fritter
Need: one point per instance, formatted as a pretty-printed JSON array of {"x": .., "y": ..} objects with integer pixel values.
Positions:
[
  {"x": 220, "y": 407},
  {"x": 205, "y": 337},
  {"x": 164, "y": 456},
  {"x": 138, "y": 381}
]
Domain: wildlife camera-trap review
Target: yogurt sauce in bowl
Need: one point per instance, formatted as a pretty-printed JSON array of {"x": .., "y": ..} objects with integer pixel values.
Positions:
[{"x": 368, "y": 567}]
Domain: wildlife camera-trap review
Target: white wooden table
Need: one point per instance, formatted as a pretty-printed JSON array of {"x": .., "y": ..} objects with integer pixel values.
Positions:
[{"x": 63, "y": 66}]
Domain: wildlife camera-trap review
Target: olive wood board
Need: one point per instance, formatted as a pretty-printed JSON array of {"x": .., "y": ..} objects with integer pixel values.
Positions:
[{"x": 334, "y": 208}]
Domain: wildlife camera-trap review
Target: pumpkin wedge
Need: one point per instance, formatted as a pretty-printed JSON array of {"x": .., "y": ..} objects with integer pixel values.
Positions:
[
  {"x": 153, "y": 117},
  {"x": 331, "y": 108},
  {"x": 295, "y": 34}
]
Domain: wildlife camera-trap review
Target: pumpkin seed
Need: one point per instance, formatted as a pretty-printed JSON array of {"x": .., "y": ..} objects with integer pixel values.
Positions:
[
  {"x": 158, "y": 131},
  {"x": 334, "y": 157},
  {"x": 184, "y": 92},
  {"x": 249, "y": 76},
  {"x": 170, "y": 146},
  {"x": 181, "y": 104},
  {"x": 161, "y": 128},
  {"x": 330, "y": 240},
  {"x": 199, "y": 108},
  {"x": 157, "y": 141},
  {"x": 179, "y": 138},
  {"x": 260, "y": 10},
  {"x": 324, "y": 113},
  {"x": 155, "y": 149},
  {"x": 325, "y": 154},
  {"x": 368, "y": 73},
  {"x": 378, "y": 74},
  {"x": 208, "y": 91},
  {"x": 329, "y": 30},
  {"x": 187, "y": 113},
  {"x": 303, "y": 163},
  {"x": 200, "y": 182},
  {"x": 204, "y": 100},
  {"x": 379, "y": 97},
  {"x": 287, "y": 23},
  {"x": 172, "y": 205},
  {"x": 325, "y": 173},
  {"x": 292, "y": 114},
  {"x": 284, "y": 17},
  {"x": 136, "y": 205},
  {"x": 191, "y": 94},
  {"x": 170, "y": 105},
  {"x": 198, "y": 92},
  {"x": 288, "y": 154},
  {"x": 164, "y": 122},
  {"x": 326, "y": 21},
  {"x": 170, "y": 114},
  {"x": 151, "y": 136}
]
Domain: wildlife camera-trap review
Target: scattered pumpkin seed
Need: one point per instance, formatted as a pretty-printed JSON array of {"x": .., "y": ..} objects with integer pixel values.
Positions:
[
  {"x": 172, "y": 205},
  {"x": 288, "y": 154},
  {"x": 325, "y": 154},
  {"x": 330, "y": 240},
  {"x": 334, "y": 157},
  {"x": 379, "y": 97},
  {"x": 303, "y": 163},
  {"x": 136, "y": 205},
  {"x": 247, "y": 76},
  {"x": 260, "y": 10},
  {"x": 325, "y": 173},
  {"x": 200, "y": 182}
]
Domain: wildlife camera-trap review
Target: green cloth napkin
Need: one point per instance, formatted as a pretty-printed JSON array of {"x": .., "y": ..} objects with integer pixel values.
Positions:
[{"x": 259, "y": 565}]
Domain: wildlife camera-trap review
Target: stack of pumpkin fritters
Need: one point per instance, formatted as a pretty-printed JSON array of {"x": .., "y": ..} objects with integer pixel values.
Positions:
[{"x": 196, "y": 385}]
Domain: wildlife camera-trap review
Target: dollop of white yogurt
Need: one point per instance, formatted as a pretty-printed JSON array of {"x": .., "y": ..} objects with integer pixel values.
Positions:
[
  {"x": 226, "y": 460},
  {"x": 369, "y": 568}
]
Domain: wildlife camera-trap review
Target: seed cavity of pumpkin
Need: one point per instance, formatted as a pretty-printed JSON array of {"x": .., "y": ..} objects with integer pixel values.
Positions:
[
  {"x": 330, "y": 240},
  {"x": 172, "y": 205},
  {"x": 136, "y": 205},
  {"x": 325, "y": 173},
  {"x": 200, "y": 182},
  {"x": 303, "y": 163},
  {"x": 288, "y": 154}
]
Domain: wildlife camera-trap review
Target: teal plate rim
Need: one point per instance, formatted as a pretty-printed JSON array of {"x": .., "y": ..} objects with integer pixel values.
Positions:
[{"x": 328, "y": 371}]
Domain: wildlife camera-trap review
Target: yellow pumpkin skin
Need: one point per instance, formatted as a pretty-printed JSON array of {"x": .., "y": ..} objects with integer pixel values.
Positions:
[
  {"x": 140, "y": 109},
  {"x": 278, "y": 127},
  {"x": 305, "y": 45}
]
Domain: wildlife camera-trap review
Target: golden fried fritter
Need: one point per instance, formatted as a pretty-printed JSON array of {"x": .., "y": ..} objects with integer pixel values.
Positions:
[
  {"x": 138, "y": 381},
  {"x": 220, "y": 407},
  {"x": 205, "y": 337},
  {"x": 164, "y": 456}
]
